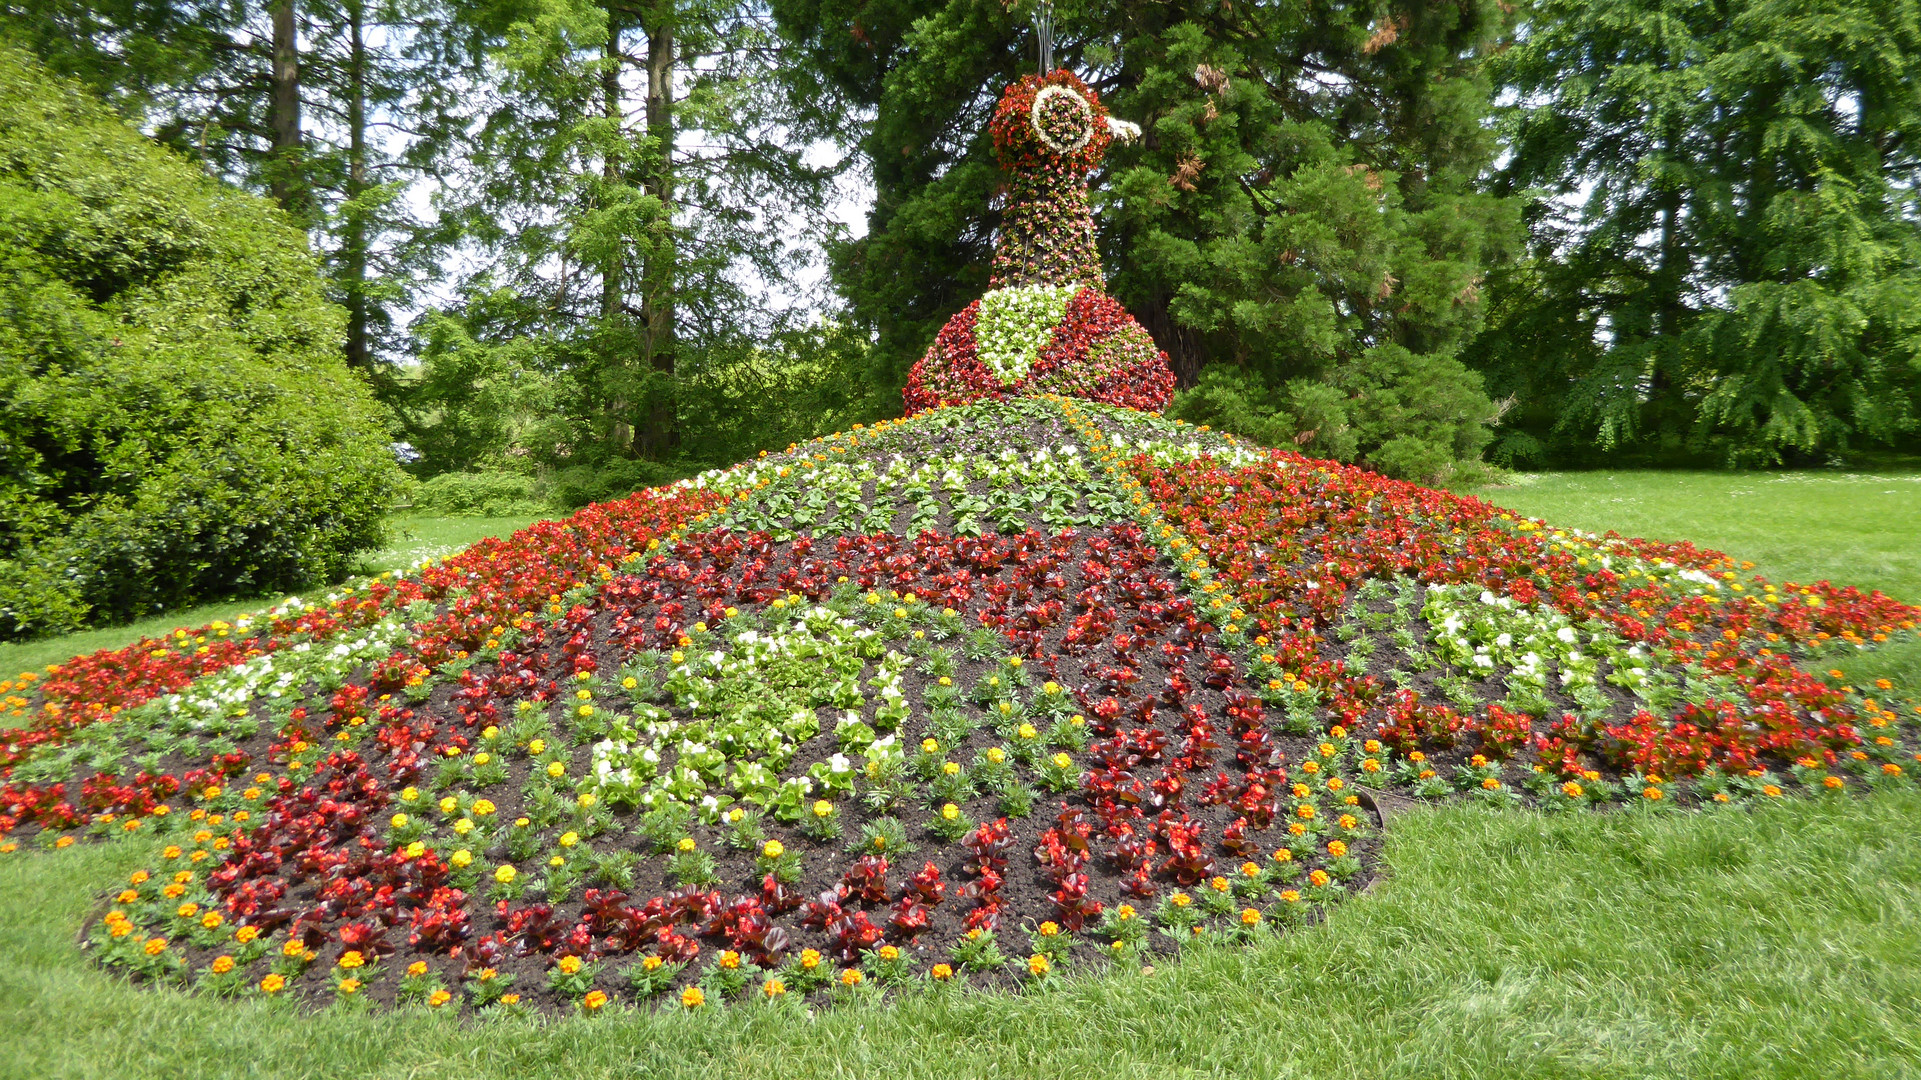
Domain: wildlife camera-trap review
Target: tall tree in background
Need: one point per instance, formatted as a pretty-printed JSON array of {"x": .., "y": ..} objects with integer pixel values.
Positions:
[
  {"x": 1299, "y": 228},
  {"x": 635, "y": 174},
  {"x": 330, "y": 106},
  {"x": 1726, "y": 258}
]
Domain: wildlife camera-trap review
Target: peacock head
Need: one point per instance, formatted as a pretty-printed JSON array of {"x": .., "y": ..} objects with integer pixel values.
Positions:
[{"x": 1054, "y": 123}]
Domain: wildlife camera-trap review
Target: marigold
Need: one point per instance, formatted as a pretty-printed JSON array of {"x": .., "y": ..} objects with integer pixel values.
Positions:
[
  {"x": 1318, "y": 878},
  {"x": 1250, "y": 917},
  {"x": 729, "y": 959},
  {"x": 852, "y": 977},
  {"x": 438, "y": 998},
  {"x": 569, "y": 965},
  {"x": 1336, "y": 848},
  {"x": 350, "y": 986},
  {"x": 594, "y": 1000},
  {"x": 155, "y": 946},
  {"x": 246, "y": 934},
  {"x": 809, "y": 959},
  {"x": 417, "y": 968},
  {"x": 273, "y": 984},
  {"x": 773, "y": 987},
  {"x": 1038, "y": 964},
  {"x": 351, "y": 959},
  {"x": 506, "y": 874},
  {"x": 221, "y": 965},
  {"x": 942, "y": 972}
]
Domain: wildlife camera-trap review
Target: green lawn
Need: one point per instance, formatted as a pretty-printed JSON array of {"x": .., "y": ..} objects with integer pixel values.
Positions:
[
  {"x": 1783, "y": 941},
  {"x": 410, "y": 540}
]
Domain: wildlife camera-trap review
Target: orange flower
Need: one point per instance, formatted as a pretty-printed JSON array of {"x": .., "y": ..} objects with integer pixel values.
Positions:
[
  {"x": 273, "y": 984},
  {"x": 438, "y": 998},
  {"x": 1318, "y": 878},
  {"x": 594, "y": 1000},
  {"x": 222, "y": 964},
  {"x": 693, "y": 997}
]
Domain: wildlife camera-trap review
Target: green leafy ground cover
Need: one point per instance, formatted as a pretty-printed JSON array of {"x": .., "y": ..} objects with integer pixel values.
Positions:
[{"x": 1780, "y": 941}]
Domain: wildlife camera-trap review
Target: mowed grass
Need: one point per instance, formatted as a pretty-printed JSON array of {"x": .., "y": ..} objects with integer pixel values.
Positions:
[
  {"x": 1851, "y": 528},
  {"x": 1782, "y": 941},
  {"x": 410, "y": 539}
]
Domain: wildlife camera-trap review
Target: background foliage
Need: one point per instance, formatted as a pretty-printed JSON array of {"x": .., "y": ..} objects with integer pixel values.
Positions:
[{"x": 179, "y": 422}]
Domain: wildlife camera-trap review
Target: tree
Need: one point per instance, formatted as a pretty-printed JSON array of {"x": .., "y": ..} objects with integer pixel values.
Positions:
[
  {"x": 1725, "y": 246},
  {"x": 332, "y": 107},
  {"x": 1302, "y": 209},
  {"x": 635, "y": 174},
  {"x": 176, "y": 423}
]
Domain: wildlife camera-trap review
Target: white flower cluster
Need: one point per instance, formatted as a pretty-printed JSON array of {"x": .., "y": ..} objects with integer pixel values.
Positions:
[
  {"x": 1015, "y": 324},
  {"x": 753, "y": 704},
  {"x": 1478, "y": 631}
]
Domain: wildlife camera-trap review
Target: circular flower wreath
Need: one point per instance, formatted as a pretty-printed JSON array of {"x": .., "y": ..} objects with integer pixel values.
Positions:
[{"x": 1038, "y": 124}]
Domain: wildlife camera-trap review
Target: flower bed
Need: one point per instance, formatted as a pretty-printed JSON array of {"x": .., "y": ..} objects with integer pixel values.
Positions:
[{"x": 828, "y": 742}]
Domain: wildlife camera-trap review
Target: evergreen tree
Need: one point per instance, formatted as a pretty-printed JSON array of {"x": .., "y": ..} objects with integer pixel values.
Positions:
[
  {"x": 1298, "y": 229},
  {"x": 1725, "y": 247}
]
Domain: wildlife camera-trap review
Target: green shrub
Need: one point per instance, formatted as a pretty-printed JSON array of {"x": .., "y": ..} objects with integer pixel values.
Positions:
[
  {"x": 582, "y": 484},
  {"x": 1412, "y": 416},
  {"x": 176, "y": 423},
  {"x": 479, "y": 494}
]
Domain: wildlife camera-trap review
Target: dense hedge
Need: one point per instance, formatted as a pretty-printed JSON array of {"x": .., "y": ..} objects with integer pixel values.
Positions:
[{"x": 176, "y": 423}]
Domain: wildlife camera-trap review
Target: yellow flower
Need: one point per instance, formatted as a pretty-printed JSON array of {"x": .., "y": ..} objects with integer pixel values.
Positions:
[
  {"x": 398, "y": 821},
  {"x": 1049, "y": 929},
  {"x": 569, "y": 965},
  {"x": 887, "y": 952},
  {"x": 773, "y": 987},
  {"x": 417, "y": 968},
  {"x": 686, "y": 844},
  {"x": 246, "y": 934},
  {"x": 556, "y": 770},
  {"x": 1572, "y": 790},
  {"x": 350, "y": 986},
  {"x": 586, "y": 800},
  {"x": 538, "y": 746},
  {"x": 1038, "y": 965},
  {"x": 211, "y": 920},
  {"x": 729, "y": 959},
  {"x": 929, "y": 746},
  {"x": 950, "y": 768},
  {"x": 1292, "y": 896},
  {"x": 461, "y": 859},
  {"x": 156, "y": 945},
  {"x": 942, "y": 972},
  {"x": 1218, "y": 884},
  {"x": 351, "y": 959},
  {"x": 273, "y": 984},
  {"x": 1250, "y": 917},
  {"x": 483, "y": 807},
  {"x": 996, "y": 755},
  {"x": 1180, "y": 899},
  {"x": 222, "y": 965},
  {"x": 569, "y": 838},
  {"x": 651, "y": 963},
  {"x": 773, "y": 849},
  {"x": 416, "y": 849},
  {"x": 1283, "y": 855},
  {"x": 852, "y": 977},
  {"x": 809, "y": 959},
  {"x": 464, "y": 826},
  {"x": 438, "y": 998},
  {"x": 449, "y": 804},
  {"x": 949, "y": 812},
  {"x": 822, "y": 808},
  {"x": 187, "y": 910},
  {"x": 505, "y": 874}
]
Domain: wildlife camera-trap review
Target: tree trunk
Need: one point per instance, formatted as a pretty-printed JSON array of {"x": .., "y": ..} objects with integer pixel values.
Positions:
[
  {"x": 359, "y": 351},
  {"x": 657, "y": 310},
  {"x": 285, "y": 179}
]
